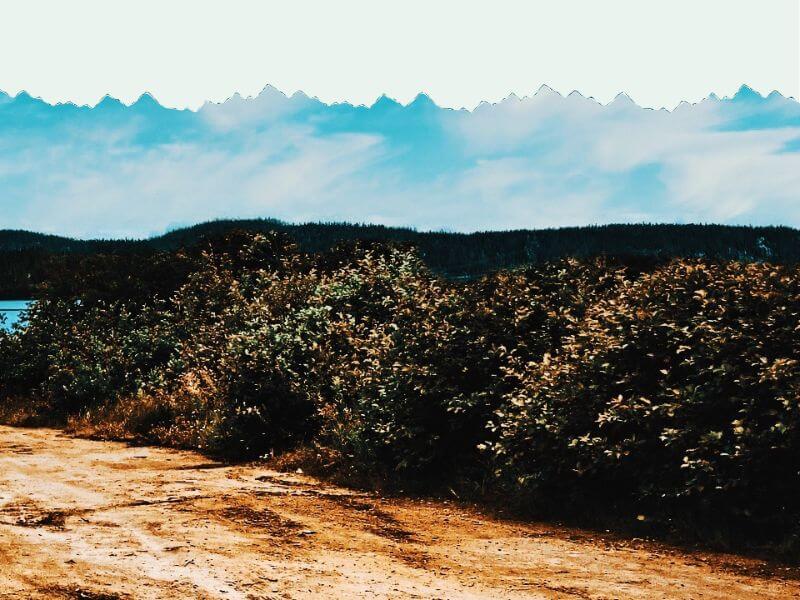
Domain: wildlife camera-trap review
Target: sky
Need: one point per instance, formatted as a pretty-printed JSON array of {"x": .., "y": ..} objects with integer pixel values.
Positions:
[
  {"x": 458, "y": 52},
  {"x": 322, "y": 143},
  {"x": 541, "y": 161}
]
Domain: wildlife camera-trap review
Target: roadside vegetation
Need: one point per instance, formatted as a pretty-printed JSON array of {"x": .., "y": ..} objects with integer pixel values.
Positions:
[{"x": 660, "y": 393}]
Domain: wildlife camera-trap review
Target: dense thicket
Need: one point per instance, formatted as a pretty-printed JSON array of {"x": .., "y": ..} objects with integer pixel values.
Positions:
[
  {"x": 25, "y": 257},
  {"x": 665, "y": 394}
]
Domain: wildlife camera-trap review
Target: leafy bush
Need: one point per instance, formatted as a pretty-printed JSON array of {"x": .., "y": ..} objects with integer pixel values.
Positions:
[
  {"x": 668, "y": 390},
  {"x": 675, "y": 396}
]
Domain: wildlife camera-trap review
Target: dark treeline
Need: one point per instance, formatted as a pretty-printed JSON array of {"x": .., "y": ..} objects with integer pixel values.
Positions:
[{"x": 25, "y": 256}]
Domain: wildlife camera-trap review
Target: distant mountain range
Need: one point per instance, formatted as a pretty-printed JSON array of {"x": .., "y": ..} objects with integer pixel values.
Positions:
[{"x": 541, "y": 161}]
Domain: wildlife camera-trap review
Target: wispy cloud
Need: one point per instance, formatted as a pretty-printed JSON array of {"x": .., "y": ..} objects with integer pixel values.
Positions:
[{"x": 546, "y": 160}]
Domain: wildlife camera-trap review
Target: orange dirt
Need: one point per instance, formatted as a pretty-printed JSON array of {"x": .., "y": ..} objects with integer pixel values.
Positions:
[{"x": 100, "y": 520}]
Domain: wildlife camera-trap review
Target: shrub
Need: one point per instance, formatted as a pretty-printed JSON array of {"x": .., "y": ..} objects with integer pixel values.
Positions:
[
  {"x": 669, "y": 390},
  {"x": 675, "y": 396}
]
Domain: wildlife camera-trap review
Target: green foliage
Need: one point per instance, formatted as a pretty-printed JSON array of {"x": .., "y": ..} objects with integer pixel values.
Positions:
[
  {"x": 675, "y": 395},
  {"x": 667, "y": 390}
]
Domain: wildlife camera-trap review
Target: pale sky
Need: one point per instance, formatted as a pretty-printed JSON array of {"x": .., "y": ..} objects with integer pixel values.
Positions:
[{"x": 459, "y": 52}]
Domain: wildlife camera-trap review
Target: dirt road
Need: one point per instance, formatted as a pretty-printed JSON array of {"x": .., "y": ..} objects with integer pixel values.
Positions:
[{"x": 99, "y": 520}]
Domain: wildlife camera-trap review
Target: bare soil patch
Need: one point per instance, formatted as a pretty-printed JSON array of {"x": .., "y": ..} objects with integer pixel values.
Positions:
[{"x": 96, "y": 520}]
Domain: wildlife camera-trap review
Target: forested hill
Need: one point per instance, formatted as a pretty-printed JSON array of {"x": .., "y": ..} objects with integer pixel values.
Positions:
[
  {"x": 22, "y": 253},
  {"x": 459, "y": 254}
]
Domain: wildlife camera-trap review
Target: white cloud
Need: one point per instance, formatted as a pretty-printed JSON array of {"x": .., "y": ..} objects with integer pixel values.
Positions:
[{"x": 535, "y": 162}]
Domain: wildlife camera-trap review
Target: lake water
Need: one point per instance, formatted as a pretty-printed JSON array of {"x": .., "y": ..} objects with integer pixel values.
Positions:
[{"x": 11, "y": 310}]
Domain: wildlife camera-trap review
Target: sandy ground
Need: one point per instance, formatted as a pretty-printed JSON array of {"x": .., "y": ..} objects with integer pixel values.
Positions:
[{"x": 99, "y": 520}]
